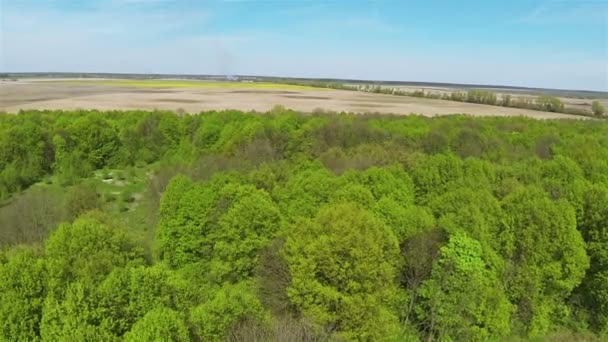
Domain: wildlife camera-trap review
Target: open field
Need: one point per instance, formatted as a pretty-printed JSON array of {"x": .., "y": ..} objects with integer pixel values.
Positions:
[
  {"x": 196, "y": 96},
  {"x": 156, "y": 83}
]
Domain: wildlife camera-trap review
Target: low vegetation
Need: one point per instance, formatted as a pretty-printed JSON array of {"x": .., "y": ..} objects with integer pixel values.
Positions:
[{"x": 153, "y": 226}]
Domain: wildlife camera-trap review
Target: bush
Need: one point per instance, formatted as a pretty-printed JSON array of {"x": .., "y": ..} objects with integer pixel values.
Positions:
[
  {"x": 550, "y": 103},
  {"x": 80, "y": 199},
  {"x": 597, "y": 108},
  {"x": 481, "y": 96}
]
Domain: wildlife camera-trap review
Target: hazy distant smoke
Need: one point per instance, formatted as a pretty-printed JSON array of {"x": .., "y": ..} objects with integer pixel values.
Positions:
[{"x": 225, "y": 60}]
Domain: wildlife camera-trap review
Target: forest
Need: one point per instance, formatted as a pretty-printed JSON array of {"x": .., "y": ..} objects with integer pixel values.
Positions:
[{"x": 284, "y": 226}]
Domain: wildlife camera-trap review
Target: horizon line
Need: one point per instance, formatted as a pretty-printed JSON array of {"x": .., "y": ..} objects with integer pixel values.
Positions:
[{"x": 470, "y": 85}]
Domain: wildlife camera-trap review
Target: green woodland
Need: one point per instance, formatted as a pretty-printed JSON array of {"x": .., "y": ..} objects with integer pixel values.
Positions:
[{"x": 282, "y": 226}]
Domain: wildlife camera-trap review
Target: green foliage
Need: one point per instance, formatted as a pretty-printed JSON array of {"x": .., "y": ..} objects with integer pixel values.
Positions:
[
  {"x": 94, "y": 138},
  {"x": 233, "y": 223},
  {"x": 74, "y": 317},
  {"x": 481, "y": 96},
  {"x": 405, "y": 221},
  {"x": 597, "y": 108},
  {"x": 550, "y": 103},
  {"x": 306, "y": 191},
  {"x": 229, "y": 306},
  {"x": 343, "y": 269},
  {"x": 127, "y": 294},
  {"x": 548, "y": 260},
  {"x": 289, "y": 227},
  {"x": 247, "y": 227},
  {"x": 80, "y": 199},
  {"x": 184, "y": 213},
  {"x": 478, "y": 214},
  {"x": 22, "y": 289},
  {"x": 463, "y": 300},
  {"x": 391, "y": 182},
  {"x": 434, "y": 175},
  {"x": 31, "y": 217},
  {"x": 87, "y": 251},
  {"x": 69, "y": 165},
  {"x": 594, "y": 228},
  {"x": 160, "y": 324}
]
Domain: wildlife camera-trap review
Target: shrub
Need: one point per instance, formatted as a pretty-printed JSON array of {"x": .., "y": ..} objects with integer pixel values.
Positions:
[{"x": 597, "y": 108}]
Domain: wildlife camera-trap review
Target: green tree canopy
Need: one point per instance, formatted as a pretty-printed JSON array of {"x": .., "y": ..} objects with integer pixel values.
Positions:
[
  {"x": 464, "y": 300},
  {"x": 548, "y": 259},
  {"x": 343, "y": 267},
  {"x": 160, "y": 324},
  {"x": 87, "y": 250},
  {"x": 22, "y": 292}
]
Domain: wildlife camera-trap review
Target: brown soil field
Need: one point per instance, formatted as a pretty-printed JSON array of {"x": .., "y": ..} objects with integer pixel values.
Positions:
[{"x": 41, "y": 94}]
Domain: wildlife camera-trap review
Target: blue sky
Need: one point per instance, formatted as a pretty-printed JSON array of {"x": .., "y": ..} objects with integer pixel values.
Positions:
[{"x": 545, "y": 43}]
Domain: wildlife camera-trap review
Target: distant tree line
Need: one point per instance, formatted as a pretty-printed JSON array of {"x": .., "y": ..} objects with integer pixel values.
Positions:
[{"x": 481, "y": 96}]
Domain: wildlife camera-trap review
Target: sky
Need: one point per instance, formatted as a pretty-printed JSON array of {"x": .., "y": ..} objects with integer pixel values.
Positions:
[{"x": 559, "y": 44}]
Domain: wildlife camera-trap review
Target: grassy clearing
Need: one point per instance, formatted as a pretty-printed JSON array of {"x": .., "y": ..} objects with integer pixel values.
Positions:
[{"x": 191, "y": 84}]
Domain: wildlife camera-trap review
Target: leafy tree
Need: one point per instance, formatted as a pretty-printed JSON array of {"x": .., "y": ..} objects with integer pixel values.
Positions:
[
  {"x": 355, "y": 193},
  {"x": 87, "y": 251},
  {"x": 69, "y": 165},
  {"x": 419, "y": 252},
  {"x": 305, "y": 192},
  {"x": 230, "y": 305},
  {"x": 391, "y": 182},
  {"x": 477, "y": 213},
  {"x": 247, "y": 227},
  {"x": 22, "y": 291},
  {"x": 273, "y": 278},
  {"x": 129, "y": 293},
  {"x": 463, "y": 299},
  {"x": 159, "y": 324},
  {"x": 95, "y": 139},
  {"x": 468, "y": 143},
  {"x": 434, "y": 175},
  {"x": 74, "y": 317},
  {"x": 223, "y": 226},
  {"x": 594, "y": 228},
  {"x": 24, "y": 154},
  {"x": 405, "y": 221},
  {"x": 563, "y": 178},
  {"x": 343, "y": 266},
  {"x": 548, "y": 259},
  {"x": 150, "y": 137},
  {"x": 184, "y": 211}
]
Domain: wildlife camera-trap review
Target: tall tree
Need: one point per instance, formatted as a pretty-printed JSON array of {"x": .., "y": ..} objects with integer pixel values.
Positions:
[
  {"x": 548, "y": 259},
  {"x": 343, "y": 267},
  {"x": 463, "y": 300}
]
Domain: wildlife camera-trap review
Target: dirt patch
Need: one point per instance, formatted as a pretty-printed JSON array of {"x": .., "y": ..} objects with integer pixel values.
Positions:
[
  {"x": 262, "y": 92},
  {"x": 306, "y": 97},
  {"x": 178, "y": 100},
  {"x": 369, "y": 105}
]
